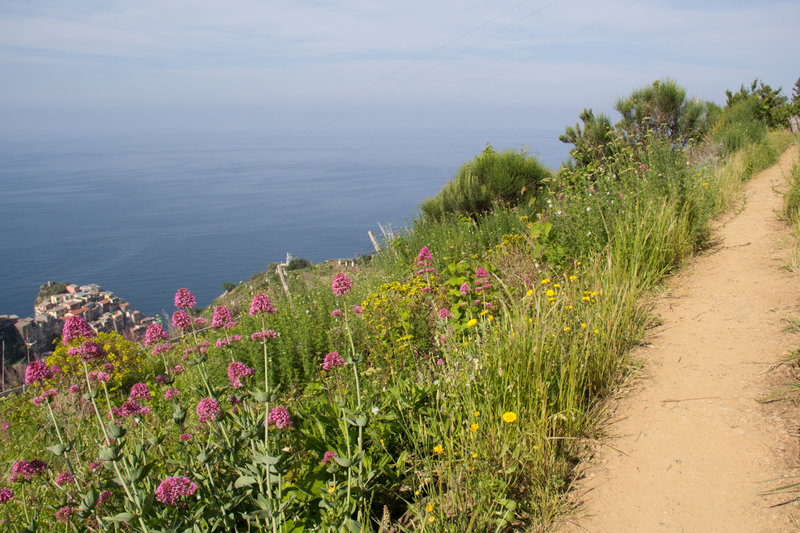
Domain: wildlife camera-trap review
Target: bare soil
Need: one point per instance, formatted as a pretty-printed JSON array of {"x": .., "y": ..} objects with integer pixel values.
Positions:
[{"x": 691, "y": 445}]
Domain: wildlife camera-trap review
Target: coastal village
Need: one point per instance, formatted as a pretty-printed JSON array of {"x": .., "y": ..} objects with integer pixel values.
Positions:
[{"x": 30, "y": 338}]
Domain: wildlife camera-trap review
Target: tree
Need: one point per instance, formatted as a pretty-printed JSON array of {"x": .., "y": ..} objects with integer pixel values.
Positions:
[
  {"x": 662, "y": 109},
  {"x": 772, "y": 106},
  {"x": 592, "y": 142}
]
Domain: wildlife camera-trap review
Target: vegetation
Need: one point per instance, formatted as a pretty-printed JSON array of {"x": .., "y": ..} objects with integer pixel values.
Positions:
[
  {"x": 443, "y": 386},
  {"x": 49, "y": 289}
]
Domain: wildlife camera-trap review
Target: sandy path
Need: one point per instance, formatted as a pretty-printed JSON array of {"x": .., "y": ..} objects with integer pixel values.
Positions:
[{"x": 690, "y": 448}]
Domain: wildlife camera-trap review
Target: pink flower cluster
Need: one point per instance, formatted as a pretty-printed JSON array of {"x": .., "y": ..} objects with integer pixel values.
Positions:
[
  {"x": 98, "y": 377},
  {"x": 184, "y": 299},
  {"x": 65, "y": 478},
  {"x": 264, "y": 335},
  {"x": 173, "y": 490},
  {"x": 238, "y": 372},
  {"x": 464, "y": 289},
  {"x": 26, "y": 470},
  {"x": 336, "y": 313},
  {"x": 154, "y": 334},
  {"x": 75, "y": 327},
  {"x": 444, "y": 313},
  {"x": 341, "y": 284},
  {"x": 207, "y": 410},
  {"x": 332, "y": 360},
  {"x": 104, "y": 497},
  {"x": 425, "y": 260},
  {"x": 158, "y": 349},
  {"x": 181, "y": 319},
  {"x": 92, "y": 350},
  {"x": 65, "y": 513},
  {"x": 329, "y": 456},
  {"x": 6, "y": 494},
  {"x": 357, "y": 309},
  {"x": 222, "y": 318},
  {"x": 130, "y": 408},
  {"x": 221, "y": 343},
  {"x": 50, "y": 393},
  {"x": 261, "y": 304},
  {"x": 279, "y": 417},
  {"x": 481, "y": 283},
  {"x": 139, "y": 392},
  {"x": 37, "y": 372},
  {"x": 171, "y": 393}
]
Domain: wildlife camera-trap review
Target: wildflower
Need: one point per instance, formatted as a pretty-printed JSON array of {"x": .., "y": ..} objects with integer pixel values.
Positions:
[
  {"x": 279, "y": 417},
  {"x": 473, "y": 428},
  {"x": 221, "y": 343},
  {"x": 207, "y": 410},
  {"x": 6, "y": 494},
  {"x": 184, "y": 299},
  {"x": 74, "y": 389},
  {"x": 424, "y": 257},
  {"x": 171, "y": 393},
  {"x": 509, "y": 417},
  {"x": 477, "y": 414},
  {"x": 573, "y": 277},
  {"x": 200, "y": 321},
  {"x": 264, "y": 335},
  {"x": 161, "y": 379},
  {"x": 474, "y": 455},
  {"x": 481, "y": 273},
  {"x": 75, "y": 327},
  {"x": 336, "y": 313},
  {"x": 222, "y": 318},
  {"x": 65, "y": 513},
  {"x": 139, "y": 392},
  {"x": 261, "y": 304},
  {"x": 429, "y": 508},
  {"x": 375, "y": 410},
  {"x": 95, "y": 466},
  {"x": 65, "y": 478},
  {"x": 154, "y": 334},
  {"x": 444, "y": 314},
  {"x": 357, "y": 309},
  {"x": 438, "y": 448},
  {"x": 185, "y": 437},
  {"x": 440, "y": 361},
  {"x": 329, "y": 456},
  {"x": 130, "y": 409},
  {"x": 28, "y": 469},
  {"x": 181, "y": 319},
  {"x": 104, "y": 497},
  {"x": 472, "y": 322},
  {"x": 177, "y": 369},
  {"x": 173, "y": 490},
  {"x": 341, "y": 284},
  {"x": 237, "y": 372},
  {"x": 158, "y": 349},
  {"x": 332, "y": 360},
  {"x": 464, "y": 289},
  {"x": 92, "y": 350},
  {"x": 37, "y": 372},
  {"x": 545, "y": 281},
  {"x": 529, "y": 293}
]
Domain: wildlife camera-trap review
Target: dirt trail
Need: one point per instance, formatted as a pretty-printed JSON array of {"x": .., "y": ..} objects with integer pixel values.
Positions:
[{"x": 690, "y": 447}]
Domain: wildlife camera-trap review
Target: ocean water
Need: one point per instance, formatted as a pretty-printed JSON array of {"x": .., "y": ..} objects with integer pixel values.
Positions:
[{"x": 144, "y": 215}]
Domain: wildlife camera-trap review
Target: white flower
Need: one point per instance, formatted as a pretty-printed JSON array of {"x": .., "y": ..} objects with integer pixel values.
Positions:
[{"x": 375, "y": 410}]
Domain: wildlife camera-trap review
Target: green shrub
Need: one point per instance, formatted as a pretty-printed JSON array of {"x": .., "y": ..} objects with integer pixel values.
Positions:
[{"x": 492, "y": 178}]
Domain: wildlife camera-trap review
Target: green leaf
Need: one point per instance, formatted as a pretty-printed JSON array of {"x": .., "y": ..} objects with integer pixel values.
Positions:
[
  {"x": 353, "y": 526},
  {"x": 57, "y": 449},
  {"x": 122, "y": 517},
  {"x": 140, "y": 472},
  {"x": 244, "y": 481},
  {"x": 265, "y": 459},
  {"x": 109, "y": 453},
  {"x": 89, "y": 499},
  {"x": 344, "y": 462}
]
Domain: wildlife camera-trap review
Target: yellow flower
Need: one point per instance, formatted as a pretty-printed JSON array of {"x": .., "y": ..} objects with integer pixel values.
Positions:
[
  {"x": 429, "y": 508},
  {"x": 473, "y": 427},
  {"x": 556, "y": 285},
  {"x": 570, "y": 307},
  {"x": 431, "y": 519},
  {"x": 331, "y": 490},
  {"x": 490, "y": 318},
  {"x": 416, "y": 493},
  {"x": 509, "y": 417},
  {"x": 484, "y": 312},
  {"x": 550, "y": 292},
  {"x": 438, "y": 448},
  {"x": 583, "y": 325},
  {"x": 567, "y": 328},
  {"x": 545, "y": 281},
  {"x": 530, "y": 291},
  {"x": 472, "y": 322},
  {"x": 477, "y": 414},
  {"x": 573, "y": 277},
  {"x": 474, "y": 455}
]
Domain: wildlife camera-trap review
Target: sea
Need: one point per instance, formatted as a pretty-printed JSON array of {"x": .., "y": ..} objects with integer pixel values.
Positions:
[{"x": 145, "y": 214}]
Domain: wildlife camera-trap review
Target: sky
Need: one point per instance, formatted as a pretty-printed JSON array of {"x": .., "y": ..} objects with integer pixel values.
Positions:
[{"x": 88, "y": 66}]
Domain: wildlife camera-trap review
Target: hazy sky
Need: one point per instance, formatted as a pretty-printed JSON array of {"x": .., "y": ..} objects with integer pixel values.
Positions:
[{"x": 245, "y": 64}]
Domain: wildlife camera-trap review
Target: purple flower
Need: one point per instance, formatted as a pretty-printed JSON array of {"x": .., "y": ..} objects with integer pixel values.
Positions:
[
  {"x": 444, "y": 314},
  {"x": 279, "y": 417},
  {"x": 481, "y": 273},
  {"x": 185, "y": 437},
  {"x": 27, "y": 469},
  {"x": 74, "y": 389},
  {"x": 424, "y": 257},
  {"x": 184, "y": 299},
  {"x": 154, "y": 334},
  {"x": 200, "y": 321},
  {"x": 6, "y": 494},
  {"x": 341, "y": 284},
  {"x": 130, "y": 408},
  {"x": 161, "y": 379},
  {"x": 207, "y": 410},
  {"x": 332, "y": 360},
  {"x": 173, "y": 490},
  {"x": 464, "y": 289},
  {"x": 65, "y": 513},
  {"x": 357, "y": 309},
  {"x": 238, "y": 372},
  {"x": 104, "y": 497},
  {"x": 261, "y": 304},
  {"x": 181, "y": 319},
  {"x": 37, "y": 372},
  {"x": 98, "y": 377},
  {"x": 171, "y": 393},
  {"x": 440, "y": 361},
  {"x": 94, "y": 466},
  {"x": 177, "y": 369},
  {"x": 75, "y": 327},
  {"x": 329, "y": 456},
  {"x": 92, "y": 350},
  {"x": 65, "y": 478},
  {"x": 139, "y": 392},
  {"x": 264, "y": 335},
  {"x": 222, "y": 318},
  {"x": 158, "y": 349},
  {"x": 108, "y": 367},
  {"x": 221, "y": 343},
  {"x": 336, "y": 313}
]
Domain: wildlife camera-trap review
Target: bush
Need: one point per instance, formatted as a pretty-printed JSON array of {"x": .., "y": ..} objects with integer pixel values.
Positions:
[{"x": 492, "y": 178}]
